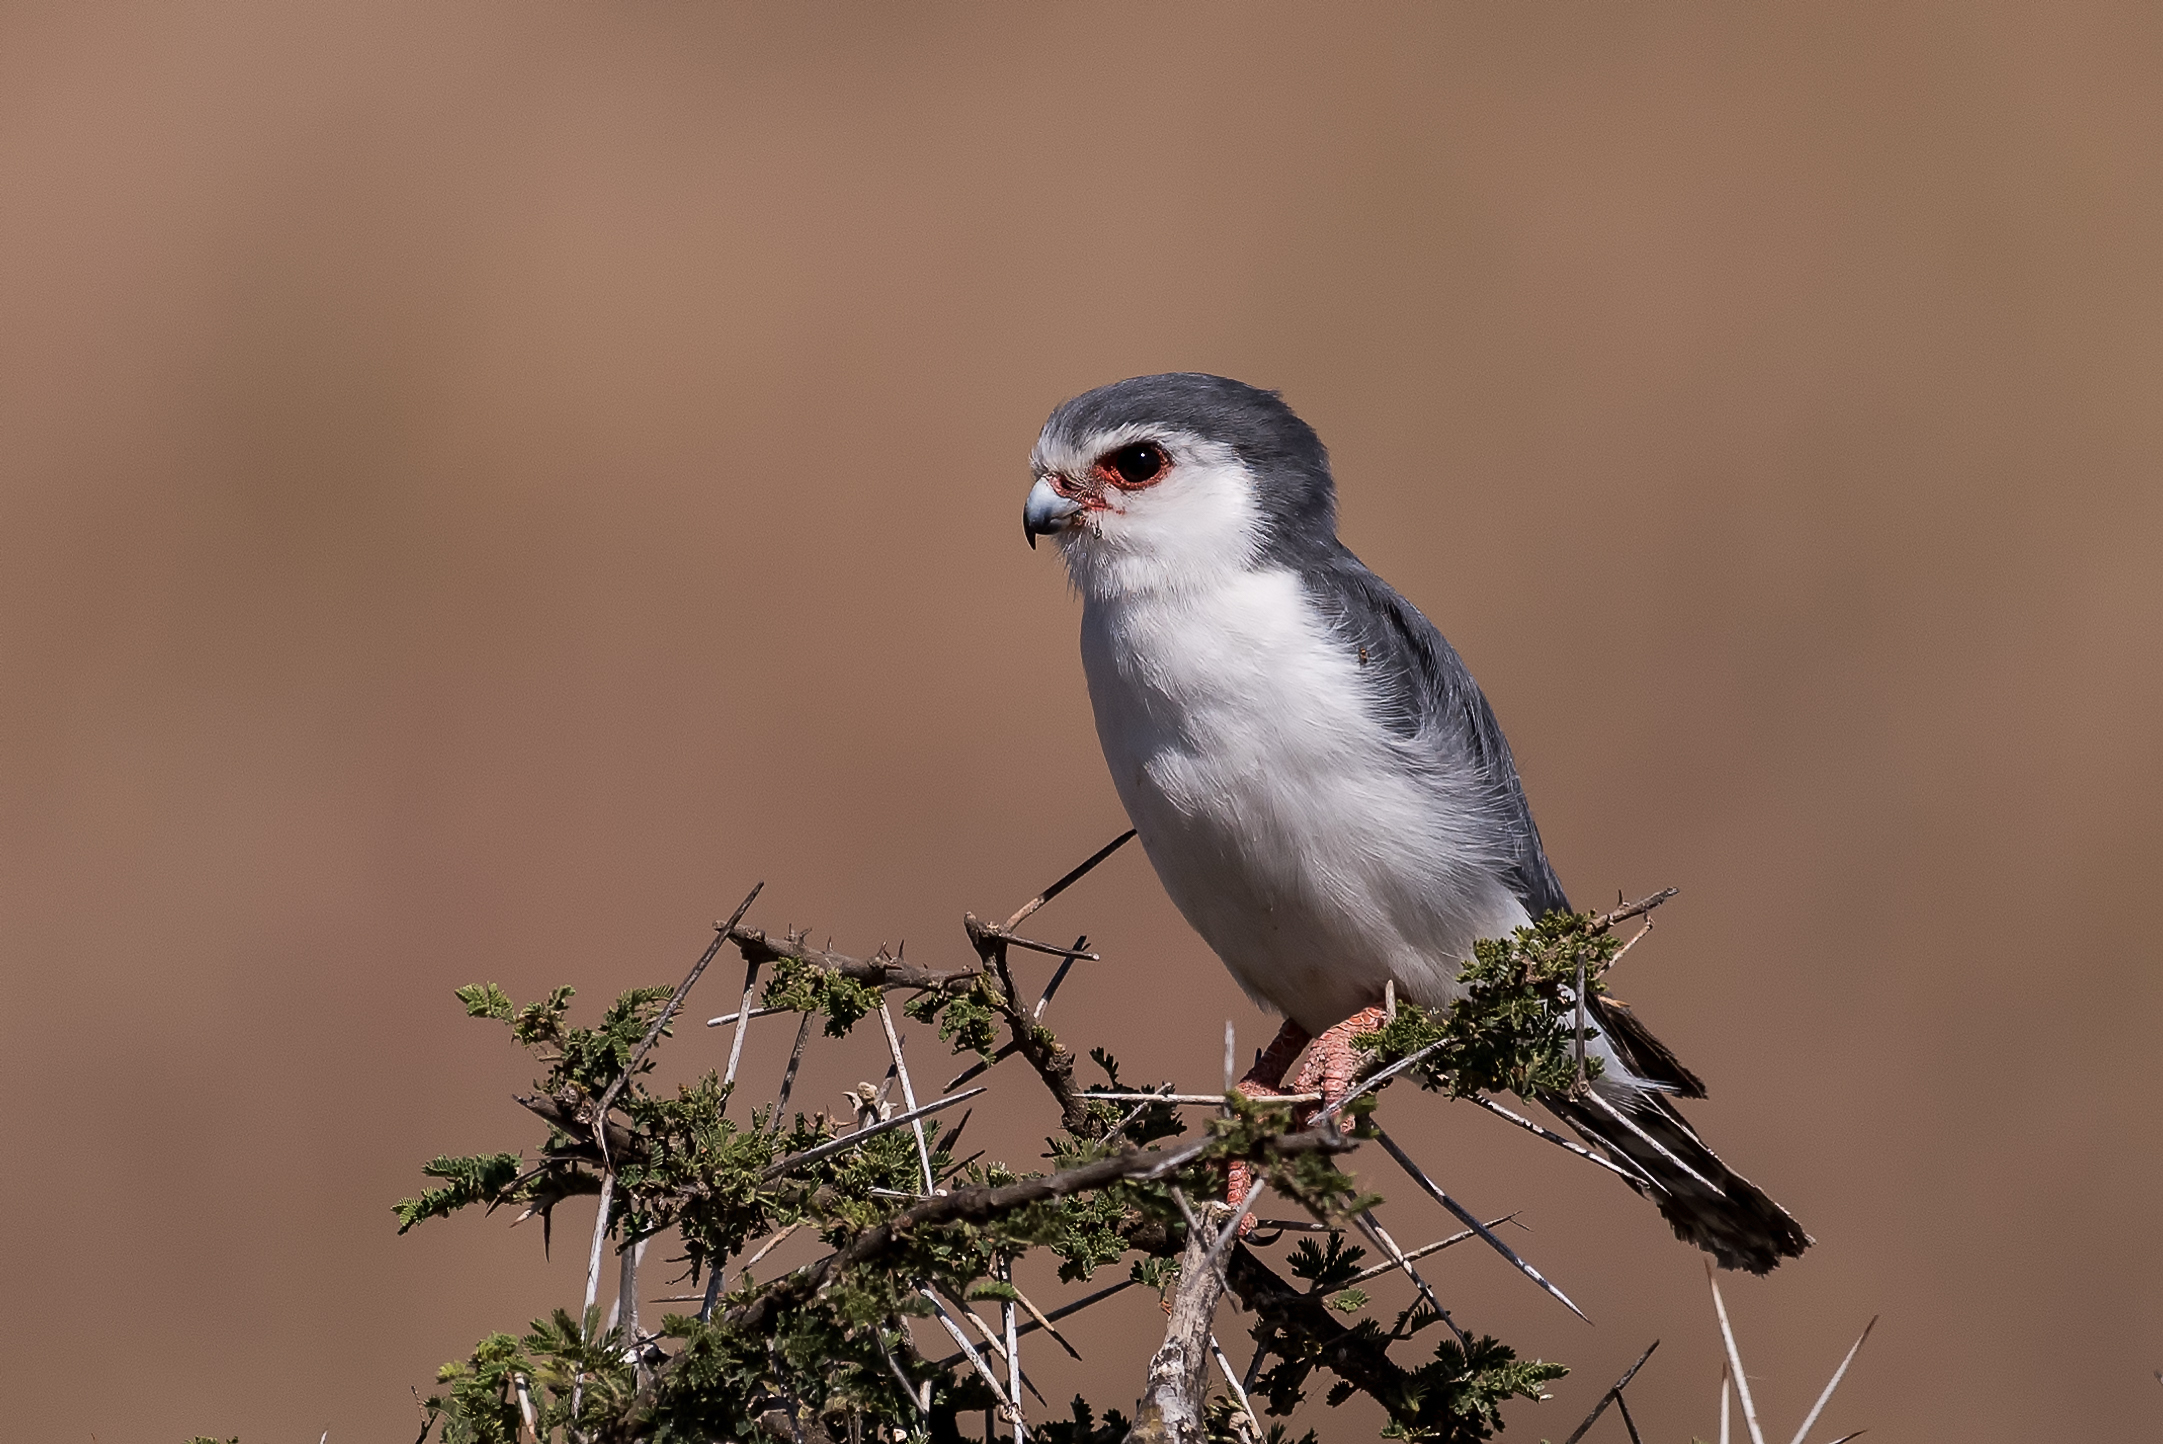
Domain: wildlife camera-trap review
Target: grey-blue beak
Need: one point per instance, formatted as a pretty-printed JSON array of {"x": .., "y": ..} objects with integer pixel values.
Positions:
[{"x": 1046, "y": 511}]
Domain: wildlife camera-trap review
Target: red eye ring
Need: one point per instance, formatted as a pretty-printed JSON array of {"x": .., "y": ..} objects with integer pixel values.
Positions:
[{"x": 1133, "y": 466}]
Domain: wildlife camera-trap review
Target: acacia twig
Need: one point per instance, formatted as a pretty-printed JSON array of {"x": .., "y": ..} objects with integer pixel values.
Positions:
[
  {"x": 849, "y": 1140},
  {"x": 1252, "y": 1427},
  {"x": 990, "y": 1336},
  {"x": 968, "y": 1350},
  {"x": 1465, "y": 1215},
  {"x": 1377, "y": 1270},
  {"x": 1014, "y": 1375},
  {"x": 593, "y": 1278},
  {"x": 1834, "y": 1383},
  {"x": 668, "y": 1011},
  {"x": 908, "y": 1095},
  {"x": 1624, "y": 951},
  {"x": 1022, "y": 913},
  {"x": 727, "y": 1018},
  {"x": 788, "y": 1078},
  {"x": 873, "y": 972},
  {"x": 1053, "y": 1317},
  {"x": 1307, "y": 1322},
  {"x": 1613, "y": 1396},
  {"x": 1630, "y": 910},
  {"x": 1052, "y": 1060},
  {"x": 1197, "y": 1099},
  {"x": 1399, "y": 1260},
  {"x": 1734, "y": 1361},
  {"x": 1059, "y": 975},
  {"x": 1560, "y": 1142}
]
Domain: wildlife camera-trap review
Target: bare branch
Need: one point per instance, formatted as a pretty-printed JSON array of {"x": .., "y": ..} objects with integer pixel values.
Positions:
[
  {"x": 1054, "y": 1316},
  {"x": 1634, "y": 1179},
  {"x": 1172, "y": 1409},
  {"x": 1631, "y": 910},
  {"x": 1022, "y": 913},
  {"x": 757, "y": 946},
  {"x": 1834, "y": 1382},
  {"x": 1734, "y": 1361},
  {"x": 788, "y": 1078},
  {"x": 1211, "y": 1099},
  {"x": 1405, "y": 1162},
  {"x": 1612, "y": 1396},
  {"x": 969, "y": 1351},
  {"x": 849, "y": 1140},
  {"x": 1251, "y": 1426},
  {"x": 908, "y": 1094},
  {"x": 1422, "y": 1251},
  {"x": 1059, "y": 976},
  {"x": 1398, "y": 1259},
  {"x": 668, "y": 1010}
]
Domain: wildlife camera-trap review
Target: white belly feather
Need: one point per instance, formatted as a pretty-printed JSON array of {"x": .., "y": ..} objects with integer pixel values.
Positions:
[{"x": 1316, "y": 852}]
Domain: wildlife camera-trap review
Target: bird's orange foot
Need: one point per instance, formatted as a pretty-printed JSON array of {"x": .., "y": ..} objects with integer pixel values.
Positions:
[
  {"x": 1334, "y": 1060},
  {"x": 1264, "y": 1080}
]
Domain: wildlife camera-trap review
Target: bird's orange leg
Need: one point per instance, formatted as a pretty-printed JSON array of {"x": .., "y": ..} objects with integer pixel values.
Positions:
[
  {"x": 1264, "y": 1080},
  {"x": 1335, "y": 1058}
]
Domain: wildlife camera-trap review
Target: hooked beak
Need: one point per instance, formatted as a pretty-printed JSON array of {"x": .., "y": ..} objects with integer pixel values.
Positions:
[{"x": 1046, "y": 511}]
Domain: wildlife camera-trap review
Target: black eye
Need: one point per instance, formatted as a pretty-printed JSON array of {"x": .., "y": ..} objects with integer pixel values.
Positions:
[{"x": 1136, "y": 465}]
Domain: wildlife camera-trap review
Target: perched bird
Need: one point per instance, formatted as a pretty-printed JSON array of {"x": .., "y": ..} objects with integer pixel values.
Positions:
[{"x": 1315, "y": 776}]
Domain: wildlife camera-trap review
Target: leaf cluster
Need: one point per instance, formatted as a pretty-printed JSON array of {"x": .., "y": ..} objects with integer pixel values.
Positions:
[
  {"x": 1515, "y": 1026},
  {"x": 825, "y": 1351},
  {"x": 803, "y": 986}
]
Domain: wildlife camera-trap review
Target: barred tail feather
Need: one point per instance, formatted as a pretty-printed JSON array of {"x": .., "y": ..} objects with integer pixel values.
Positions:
[{"x": 1706, "y": 1202}]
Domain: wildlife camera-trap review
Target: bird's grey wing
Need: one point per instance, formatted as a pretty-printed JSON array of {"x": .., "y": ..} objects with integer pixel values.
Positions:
[{"x": 1430, "y": 700}]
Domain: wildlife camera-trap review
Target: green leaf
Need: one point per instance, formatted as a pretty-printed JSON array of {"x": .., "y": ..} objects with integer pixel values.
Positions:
[{"x": 481, "y": 1178}]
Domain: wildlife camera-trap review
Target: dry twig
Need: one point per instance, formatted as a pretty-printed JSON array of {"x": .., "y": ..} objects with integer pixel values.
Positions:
[
  {"x": 1734, "y": 1361},
  {"x": 1613, "y": 1396},
  {"x": 1465, "y": 1215}
]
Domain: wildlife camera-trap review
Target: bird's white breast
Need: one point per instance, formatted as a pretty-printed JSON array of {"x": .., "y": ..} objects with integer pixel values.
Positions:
[{"x": 1316, "y": 851}]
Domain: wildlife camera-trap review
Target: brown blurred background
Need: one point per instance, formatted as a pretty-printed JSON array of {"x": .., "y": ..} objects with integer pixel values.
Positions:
[{"x": 484, "y": 483}]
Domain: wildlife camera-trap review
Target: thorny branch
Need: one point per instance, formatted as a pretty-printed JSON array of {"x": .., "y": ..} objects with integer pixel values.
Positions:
[
  {"x": 978, "y": 1228},
  {"x": 979, "y": 1204},
  {"x": 757, "y": 946}
]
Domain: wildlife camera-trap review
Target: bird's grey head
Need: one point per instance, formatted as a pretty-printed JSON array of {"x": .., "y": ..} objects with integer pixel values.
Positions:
[{"x": 1164, "y": 481}]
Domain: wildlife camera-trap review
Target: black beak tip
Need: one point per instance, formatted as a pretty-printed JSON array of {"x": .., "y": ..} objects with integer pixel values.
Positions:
[{"x": 1029, "y": 534}]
